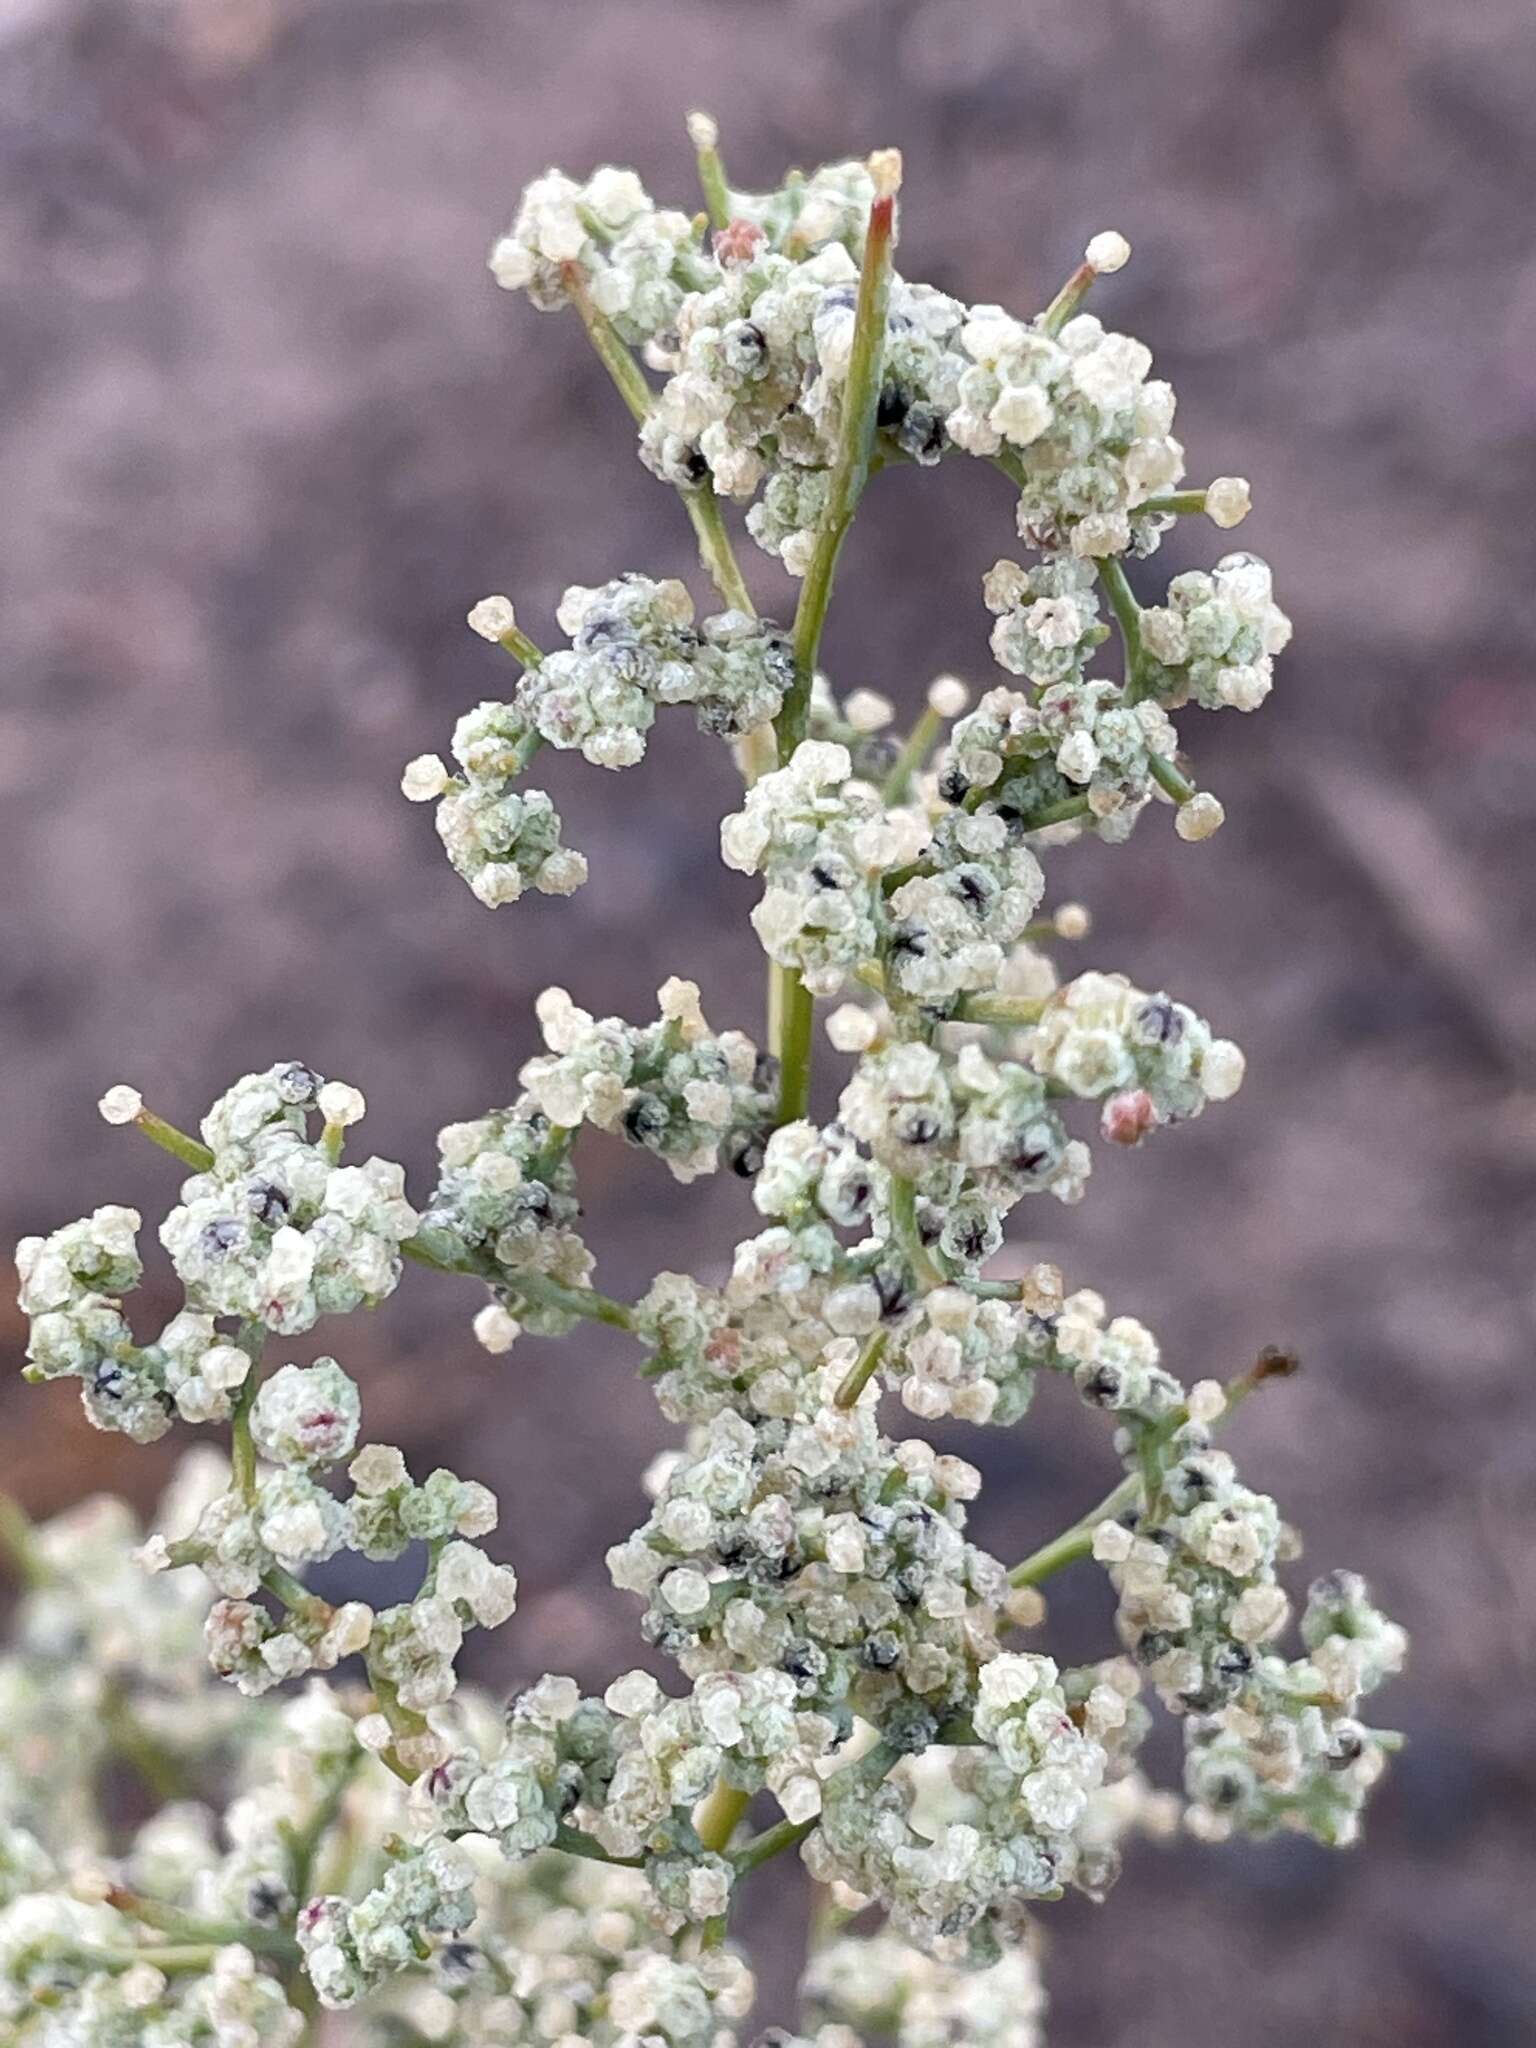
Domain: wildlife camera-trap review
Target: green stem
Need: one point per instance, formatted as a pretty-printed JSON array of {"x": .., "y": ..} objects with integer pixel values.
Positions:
[
  {"x": 1067, "y": 300},
  {"x": 715, "y": 550},
  {"x": 175, "y": 1959},
  {"x": 1177, "y": 502},
  {"x": 177, "y": 1143},
  {"x": 909, "y": 762},
  {"x": 850, "y": 468},
  {"x": 1061, "y": 813},
  {"x": 577, "y": 1301},
  {"x": 720, "y": 1813},
  {"x": 794, "y": 1035},
  {"x": 521, "y": 648},
  {"x": 1127, "y": 613},
  {"x": 1168, "y": 778},
  {"x": 575, "y": 1844},
  {"x": 994, "y": 1009},
  {"x": 782, "y": 1835},
  {"x": 862, "y": 1371},
  {"x": 628, "y": 378},
  {"x": 294, "y": 1594},
  {"x": 242, "y": 1447},
  {"x": 705, "y": 138},
  {"x": 791, "y": 1003},
  {"x": 699, "y": 501},
  {"x": 303, "y": 1843},
  {"x": 925, "y": 1269},
  {"x": 1077, "y": 1541}
]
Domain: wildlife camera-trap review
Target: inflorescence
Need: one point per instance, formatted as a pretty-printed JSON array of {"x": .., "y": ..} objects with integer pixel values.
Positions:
[{"x": 844, "y": 1659}]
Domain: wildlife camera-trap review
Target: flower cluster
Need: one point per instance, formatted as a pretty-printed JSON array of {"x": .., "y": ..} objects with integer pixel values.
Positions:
[
  {"x": 821, "y": 842},
  {"x": 335, "y": 1816},
  {"x": 1217, "y": 637},
  {"x": 634, "y": 646},
  {"x": 1149, "y": 1060},
  {"x": 811, "y": 1545},
  {"x": 673, "y": 1087},
  {"x": 754, "y": 402},
  {"x": 503, "y": 840},
  {"x": 974, "y": 1133},
  {"x": 1089, "y": 438},
  {"x": 504, "y": 1206},
  {"x": 275, "y": 1231},
  {"x": 1021, "y": 1786},
  {"x": 605, "y": 237}
]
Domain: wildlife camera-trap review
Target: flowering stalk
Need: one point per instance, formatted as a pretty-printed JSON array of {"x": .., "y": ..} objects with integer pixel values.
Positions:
[
  {"x": 839, "y": 1643},
  {"x": 850, "y": 472}
]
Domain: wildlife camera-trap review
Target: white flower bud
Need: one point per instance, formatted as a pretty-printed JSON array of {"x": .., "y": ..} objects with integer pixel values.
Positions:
[
  {"x": 1207, "y": 1401},
  {"x": 1107, "y": 252},
  {"x": 948, "y": 696},
  {"x": 867, "y": 711},
  {"x": 1200, "y": 817},
  {"x": 492, "y": 617},
  {"x": 851, "y": 1028},
  {"x": 423, "y": 779},
  {"x": 340, "y": 1104},
  {"x": 495, "y": 1329},
  {"x": 1228, "y": 501},
  {"x": 121, "y": 1104}
]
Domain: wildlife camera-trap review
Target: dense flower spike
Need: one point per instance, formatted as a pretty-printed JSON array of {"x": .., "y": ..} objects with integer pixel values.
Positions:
[{"x": 384, "y": 1839}]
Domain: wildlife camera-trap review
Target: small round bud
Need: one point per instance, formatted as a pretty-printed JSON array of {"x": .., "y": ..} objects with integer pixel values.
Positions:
[
  {"x": 120, "y": 1105},
  {"x": 424, "y": 779},
  {"x": 1025, "y": 1606},
  {"x": 1107, "y": 253},
  {"x": 1222, "y": 1067},
  {"x": 340, "y": 1104},
  {"x": 492, "y": 617},
  {"x": 703, "y": 130},
  {"x": 1127, "y": 1117},
  {"x": 851, "y": 1029},
  {"x": 1200, "y": 817},
  {"x": 495, "y": 1330},
  {"x": 1228, "y": 501},
  {"x": 1072, "y": 921},
  {"x": 948, "y": 696},
  {"x": 867, "y": 711},
  {"x": 1207, "y": 1401}
]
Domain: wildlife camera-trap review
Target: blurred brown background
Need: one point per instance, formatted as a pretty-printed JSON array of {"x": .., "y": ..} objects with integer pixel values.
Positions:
[{"x": 268, "y": 429}]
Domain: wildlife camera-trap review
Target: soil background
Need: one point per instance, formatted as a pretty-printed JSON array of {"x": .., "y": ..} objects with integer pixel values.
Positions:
[{"x": 267, "y": 429}]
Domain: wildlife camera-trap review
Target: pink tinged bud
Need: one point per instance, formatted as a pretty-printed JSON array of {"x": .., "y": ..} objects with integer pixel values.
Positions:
[
  {"x": 1128, "y": 1116},
  {"x": 738, "y": 243}
]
